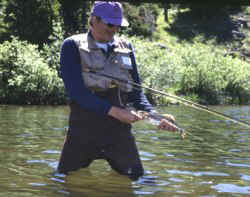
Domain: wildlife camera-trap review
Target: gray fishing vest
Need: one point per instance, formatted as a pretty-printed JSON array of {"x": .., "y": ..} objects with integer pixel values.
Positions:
[{"x": 117, "y": 64}]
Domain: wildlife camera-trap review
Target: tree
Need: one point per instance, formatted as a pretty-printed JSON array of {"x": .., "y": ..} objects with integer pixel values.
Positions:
[
  {"x": 142, "y": 18},
  {"x": 209, "y": 20},
  {"x": 30, "y": 20},
  {"x": 75, "y": 15}
]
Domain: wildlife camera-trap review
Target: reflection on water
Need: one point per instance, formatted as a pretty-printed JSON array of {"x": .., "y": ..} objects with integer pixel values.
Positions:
[{"x": 213, "y": 160}]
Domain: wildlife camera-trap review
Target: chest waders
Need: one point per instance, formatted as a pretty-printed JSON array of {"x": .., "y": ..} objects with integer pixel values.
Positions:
[{"x": 94, "y": 136}]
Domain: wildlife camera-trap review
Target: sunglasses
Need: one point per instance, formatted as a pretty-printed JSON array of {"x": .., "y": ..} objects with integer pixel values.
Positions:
[{"x": 109, "y": 24}]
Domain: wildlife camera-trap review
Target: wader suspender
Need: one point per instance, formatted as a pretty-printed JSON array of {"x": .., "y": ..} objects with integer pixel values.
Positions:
[{"x": 132, "y": 57}]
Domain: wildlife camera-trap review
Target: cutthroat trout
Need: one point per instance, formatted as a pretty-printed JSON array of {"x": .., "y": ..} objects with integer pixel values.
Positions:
[{"x": 155, "y": 119}]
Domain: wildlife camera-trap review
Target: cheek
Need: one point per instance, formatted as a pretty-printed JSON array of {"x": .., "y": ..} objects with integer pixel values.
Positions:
[
  {"x": 104, "y": 32},
  {"x": 111, "y": 32},
  {"x": 109, "y": 35}
]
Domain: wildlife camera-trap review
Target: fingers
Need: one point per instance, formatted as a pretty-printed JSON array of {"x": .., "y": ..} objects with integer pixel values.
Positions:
[
  {"x": 124, "y": 115},
  {"x": 128, "y": 117},
  {"x": 166, "y": 125},
  {"x": 169, "y": 117},
  {"x": 135, "y": 116}
]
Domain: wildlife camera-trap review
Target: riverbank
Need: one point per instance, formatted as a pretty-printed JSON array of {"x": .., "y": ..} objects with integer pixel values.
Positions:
[{"x": 198, "y": 69}]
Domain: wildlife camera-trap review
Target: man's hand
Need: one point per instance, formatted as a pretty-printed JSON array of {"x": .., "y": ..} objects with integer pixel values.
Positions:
[
  {"x": 124, "y": 115},
  {"x": 165, "y": 121},
  {"x": 167, "y": 125},
  {"x": 169, "y": 117}
]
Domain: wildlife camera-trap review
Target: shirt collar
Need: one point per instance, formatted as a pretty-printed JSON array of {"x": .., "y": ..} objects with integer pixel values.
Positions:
[{"x": 92, "y": 43}]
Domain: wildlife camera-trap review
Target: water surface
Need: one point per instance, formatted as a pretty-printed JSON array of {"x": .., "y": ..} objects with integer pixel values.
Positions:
[{"x": 214, "y": 159}]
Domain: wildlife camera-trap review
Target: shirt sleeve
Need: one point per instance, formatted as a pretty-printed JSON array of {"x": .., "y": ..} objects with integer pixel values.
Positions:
[
  {"x": 76, "y": 90},
  {"x": 137, "y": 96}
]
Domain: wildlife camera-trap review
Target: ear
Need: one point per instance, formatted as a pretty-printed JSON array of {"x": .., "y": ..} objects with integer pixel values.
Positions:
[{"x": 96, "y": 20}]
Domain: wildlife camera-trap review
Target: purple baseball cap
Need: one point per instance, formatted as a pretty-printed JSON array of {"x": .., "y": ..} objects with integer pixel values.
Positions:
[{"x": 109, "y": 12}]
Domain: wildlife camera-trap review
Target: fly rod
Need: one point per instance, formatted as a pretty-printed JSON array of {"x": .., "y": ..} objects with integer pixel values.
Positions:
[{"x": 182, "y": 100}]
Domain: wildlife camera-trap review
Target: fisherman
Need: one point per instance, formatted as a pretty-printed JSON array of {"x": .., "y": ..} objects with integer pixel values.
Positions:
[{"x": 100, "y": 123}]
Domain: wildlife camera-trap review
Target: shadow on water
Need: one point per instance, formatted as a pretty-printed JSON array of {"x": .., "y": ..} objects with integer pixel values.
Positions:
[
  {"x": 212, "y": 21},
  {"x": 212, "y": 161}
]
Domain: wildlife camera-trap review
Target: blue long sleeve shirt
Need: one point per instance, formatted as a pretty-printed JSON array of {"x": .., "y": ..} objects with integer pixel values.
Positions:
[{"x": 77, "y": 91}]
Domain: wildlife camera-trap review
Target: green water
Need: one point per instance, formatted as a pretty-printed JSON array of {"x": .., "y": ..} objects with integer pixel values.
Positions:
[{"x": 214, "y": 159}]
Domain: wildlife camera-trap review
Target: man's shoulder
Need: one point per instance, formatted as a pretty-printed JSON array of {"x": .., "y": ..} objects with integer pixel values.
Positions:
[
  {"x": 78, "y": 38},
  {"x": 123, "y": 43},
  {"x": 122, "y": 40}
]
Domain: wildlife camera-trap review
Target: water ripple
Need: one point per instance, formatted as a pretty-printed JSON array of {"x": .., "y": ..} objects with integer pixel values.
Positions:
[
  {"x": 231, "y": 188},
  {"x": 52, "y": 164},
  {"x": 197, "y": 173},
  {"x": 245, "y": 177},
  {"x": 51, "y": 152},
  {"x": 147, "y": 154},
  {"x": 176, "y": 180},
  {"x": 37, "y": 184},
  {"x": 212, "y": 161},
  {"x": 228, "y": 163}
]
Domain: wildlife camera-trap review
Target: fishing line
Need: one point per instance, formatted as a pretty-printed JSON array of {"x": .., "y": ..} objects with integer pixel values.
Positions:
[
  {"x": 191, "y": 104},
  {"x": 182, "y": 100}
]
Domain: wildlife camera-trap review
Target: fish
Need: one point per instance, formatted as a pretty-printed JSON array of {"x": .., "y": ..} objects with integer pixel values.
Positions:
[{"x": 155, "y": 119}]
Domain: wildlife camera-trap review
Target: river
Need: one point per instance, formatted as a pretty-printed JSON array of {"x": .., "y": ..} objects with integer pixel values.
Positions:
[{"x": 213, "y": 160}]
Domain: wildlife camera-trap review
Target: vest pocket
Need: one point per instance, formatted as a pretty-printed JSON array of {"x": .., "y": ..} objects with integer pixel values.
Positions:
[
  {"x": 97, "y": 60},
  {"x": 95, "y": 82},
  {"x": 93, "y": 60},
  {"x": 124, "y": 61}
]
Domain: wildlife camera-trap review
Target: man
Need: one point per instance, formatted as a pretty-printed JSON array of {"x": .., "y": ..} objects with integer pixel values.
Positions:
[{"x": 100, "y": 123}]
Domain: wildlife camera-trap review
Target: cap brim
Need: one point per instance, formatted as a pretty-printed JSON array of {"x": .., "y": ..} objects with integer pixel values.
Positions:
[{"x": 124, "y": 23}]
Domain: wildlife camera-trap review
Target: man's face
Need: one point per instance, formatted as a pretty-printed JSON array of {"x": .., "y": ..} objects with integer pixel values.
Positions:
[{"x": 103, "y": 32}]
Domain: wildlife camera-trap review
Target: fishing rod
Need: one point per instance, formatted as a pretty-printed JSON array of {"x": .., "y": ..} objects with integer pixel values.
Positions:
[{"x": 182, "y": 100}]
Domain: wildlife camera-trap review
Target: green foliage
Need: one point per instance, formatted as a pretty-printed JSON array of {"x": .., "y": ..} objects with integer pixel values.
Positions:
[
  {"x": 25, "y": 78},
  {"x": 157, "y": 68},
  {"x": 30, "y": 20},
  {"x": 3, "y": 25},
  {"x": 213, "y": 77},
  {"x": 202, "y": 72},
  {"x": 155, "y": 65},
  {"x": 142, "y": 19},
  {"x": 51, "y": 51},
  {"x": 206, "y": 67},
  {"x": 197, "y": 71},
  {"x": 75, "y": 15}
]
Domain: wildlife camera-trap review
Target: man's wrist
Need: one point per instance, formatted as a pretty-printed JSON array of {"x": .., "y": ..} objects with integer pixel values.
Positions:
[{"x": 113, "y": 111}]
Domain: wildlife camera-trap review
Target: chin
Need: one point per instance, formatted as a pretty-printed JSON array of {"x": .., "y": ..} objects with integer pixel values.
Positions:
[{"x": 111, "y": 37}]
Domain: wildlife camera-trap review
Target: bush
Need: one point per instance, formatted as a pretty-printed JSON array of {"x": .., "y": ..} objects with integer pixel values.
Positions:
[
  {"x": 199, "y": 71},
  {"x": 196, "y": 70},
  {"x": 142, "y": 19},
  {"x": 213, "y": 77},
  {"x": 157, "y": 67},
  {"x": 51, "y": 51},
  {"x": 29, "y": 20},
  {"x": 25, "y": 78}
]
